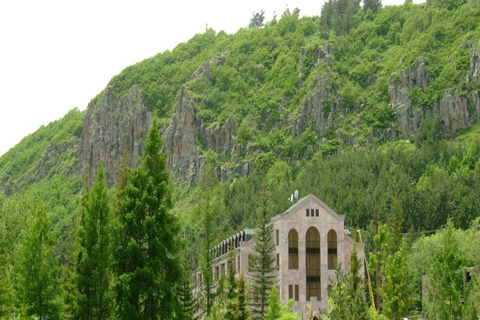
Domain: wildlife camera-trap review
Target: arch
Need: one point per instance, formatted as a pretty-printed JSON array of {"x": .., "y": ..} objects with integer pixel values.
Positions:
[
  {"x": 312, "y": 263},
  {"x": 332, "y": 249},
  {"x": 293, "y": 249}
]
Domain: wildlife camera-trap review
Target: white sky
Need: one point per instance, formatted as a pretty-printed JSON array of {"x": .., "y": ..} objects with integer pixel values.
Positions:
[{"x": 57, "y": 55}]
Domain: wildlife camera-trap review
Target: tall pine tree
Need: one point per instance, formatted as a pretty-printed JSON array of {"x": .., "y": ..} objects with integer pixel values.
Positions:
[
  {"x": 38, "y": 284},
  {"x": 93, "y": 259},
  {"x": 147, "y": 246},
  {"x": 262, "y": 268},
  {"x": 445, "y": 278},
  {"x": 208, "y": 211}
]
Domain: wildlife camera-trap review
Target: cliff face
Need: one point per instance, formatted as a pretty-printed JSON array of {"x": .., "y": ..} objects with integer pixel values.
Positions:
[
  {"x": 186, "y": 137},
  {"x": 456, "y": 111},
  {"x": 115, "y": 124},
  {"x": 111, "y": 127}
]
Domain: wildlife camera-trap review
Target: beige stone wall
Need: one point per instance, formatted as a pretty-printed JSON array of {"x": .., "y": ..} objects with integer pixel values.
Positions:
[{"x": 296, "y": 219}]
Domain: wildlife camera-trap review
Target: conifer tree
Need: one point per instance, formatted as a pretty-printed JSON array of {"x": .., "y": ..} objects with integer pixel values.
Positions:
[
  {"x": 93, "y": 259},
  {"x": 146, "y": 259},
  {"x": 37, "y": 279},
  {"x": 445, "y": 279},
  {"x": 232, "y": 309},
  {"x": 346, "y": 299},
  {"x": 243, "y": 312},
  {"x": 262, "y": 266},
  {"x": 277, "y": 310},
  {"x": 6, "y": 269},
  {"x": 208, "y": 212},
  {"x": 185, "y": 310}
]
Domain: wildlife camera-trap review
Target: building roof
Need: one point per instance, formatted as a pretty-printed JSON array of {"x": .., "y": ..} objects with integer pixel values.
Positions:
[
  {"x": 250, "y": 232},
  {"x": 318, "y": 201}
]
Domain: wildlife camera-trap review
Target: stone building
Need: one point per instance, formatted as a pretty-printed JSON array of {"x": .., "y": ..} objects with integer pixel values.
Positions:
[{"x": 310, "y": 240}]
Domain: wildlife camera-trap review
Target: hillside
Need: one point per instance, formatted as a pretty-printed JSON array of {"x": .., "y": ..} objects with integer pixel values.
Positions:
[
  {"x": 370, "y": 109},
  {"x": 291, "y": 90},
  {"x": 285, "y": 90}
]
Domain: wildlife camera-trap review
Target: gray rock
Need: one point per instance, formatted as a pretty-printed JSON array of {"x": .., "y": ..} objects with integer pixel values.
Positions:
[{"x": 111, "y": 126}]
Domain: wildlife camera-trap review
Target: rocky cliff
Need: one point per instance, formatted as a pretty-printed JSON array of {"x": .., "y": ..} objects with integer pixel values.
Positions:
[
  {"x": 115, "y": 124},
  {"x": 456, "y": 109},
  {"x": 187, "y": 137},
  {"x": 112, "y": 126}
]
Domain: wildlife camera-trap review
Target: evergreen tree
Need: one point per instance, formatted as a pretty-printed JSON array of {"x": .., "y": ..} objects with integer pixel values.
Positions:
[
  {"x": 146, "y": 255},
  {"x": 373, "y": 5},
  {"x": 37, "y": 279},
  {"x": 262, "y": 266},
  {"x": 445, "y": 278},
  {"x": 185, "y": 311},
  {"x": 396, "y": 290},
  {"x": 257, "y": 20},
  {"x": 6, "y": 269},
  {"x": 93, "y": 259},
  {"x": 69, "y": 278},
  {"x": 471, "y": 307},
  {"x": 244, "y": 313},
  {"x": 346, "y": 299},
  {"x": 208, "y": 209},
  {"x": 236, "y": 308},
  {"x": 276, "y": 310}
]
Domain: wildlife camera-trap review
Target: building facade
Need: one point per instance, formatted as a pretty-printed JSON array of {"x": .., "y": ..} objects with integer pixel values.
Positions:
[{"x": 310, "y": 240}]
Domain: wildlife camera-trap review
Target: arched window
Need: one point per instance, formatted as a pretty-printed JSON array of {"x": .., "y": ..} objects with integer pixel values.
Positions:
[
  {"x": 332, "y": 250},
  {"x": 293, "y": 249},
  {"x": 312, "y": 254}
]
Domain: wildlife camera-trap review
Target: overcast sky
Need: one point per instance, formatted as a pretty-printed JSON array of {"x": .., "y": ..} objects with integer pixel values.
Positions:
[{"x": 57, "y": 55}]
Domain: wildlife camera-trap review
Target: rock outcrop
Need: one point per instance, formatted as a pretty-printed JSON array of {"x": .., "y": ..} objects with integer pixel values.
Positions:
[
  {"x": 318, "y": 109},
  {"x": 455, "y": 110},
  {"x": 114, "y": 124},
  {"x": 111, "y": 126},
  {"x": 409, "y": 115},
  {"x": 474, "y": 71},
  {"x": 186, "y": 136}
]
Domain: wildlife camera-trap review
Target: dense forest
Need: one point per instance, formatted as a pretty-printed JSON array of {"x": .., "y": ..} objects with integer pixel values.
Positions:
[{"x": 317, "y": 106}]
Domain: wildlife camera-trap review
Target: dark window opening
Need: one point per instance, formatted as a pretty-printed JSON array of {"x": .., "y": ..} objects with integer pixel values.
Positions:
[
  {"x": 292, "y": 249},
  {"x": 312, "y": 249},
  {"x": 332, "y": 249}
]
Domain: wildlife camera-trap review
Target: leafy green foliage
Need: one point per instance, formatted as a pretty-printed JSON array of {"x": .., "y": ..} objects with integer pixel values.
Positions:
[
  {"x": 94, "y": 257},
  {"x": 276, "y": 310},
  {"x": 146, "y": 253},
  {"x": 37, "y": 271},
  {"x": 445, "y": 278},
  {"x": 22, "y": 159},
  {"x": 346, "y": 298},
  {"x": 262, "y": 78},
  {"x": 262, "y": 257}
]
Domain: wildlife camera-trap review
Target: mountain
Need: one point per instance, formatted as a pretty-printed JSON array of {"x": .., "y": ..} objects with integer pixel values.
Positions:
[{"x": 291, "y": 90}]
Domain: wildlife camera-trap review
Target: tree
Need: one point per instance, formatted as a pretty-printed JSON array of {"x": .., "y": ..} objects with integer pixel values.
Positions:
[
  {"x": 208, "y": 209},
  {"x": 6, "y": 268},
  {"x": 445, "y": 278},
  {"x": 146, "y": 260},
  {"x": 185, "y": 311},
  {"x": 346, "y": 299},
  {"x": 244, "y": 313},
  {"x": 232, "y": 308},
  {"x": 37, "y": 279},
  {"x": 262, "y": 257},
  {"x": 276, "y": 310},
  {"x": 396, "y": 289},
  {"x": 93, "y": 259},
  {"x": 257, "y": 20},
  {"x": 373, "y": 5}
]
